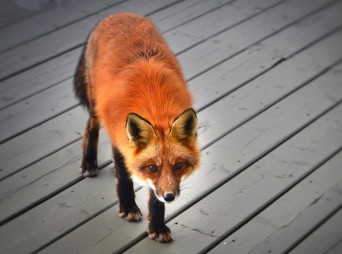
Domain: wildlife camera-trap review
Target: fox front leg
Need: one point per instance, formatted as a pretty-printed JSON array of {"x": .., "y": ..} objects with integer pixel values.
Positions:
[
  {"x": 125, "y": 190},
  {"x": 157, "y": 230}
]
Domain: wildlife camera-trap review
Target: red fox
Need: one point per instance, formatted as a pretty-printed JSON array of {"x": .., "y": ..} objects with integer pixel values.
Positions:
[{"x": 131, "y": 82}]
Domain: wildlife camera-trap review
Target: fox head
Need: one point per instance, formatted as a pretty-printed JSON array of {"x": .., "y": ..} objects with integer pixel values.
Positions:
[{"x": 160, "y": 158}]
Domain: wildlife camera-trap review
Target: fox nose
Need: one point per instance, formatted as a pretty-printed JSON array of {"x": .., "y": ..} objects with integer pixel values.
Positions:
[{"x": 169, "y": 197}]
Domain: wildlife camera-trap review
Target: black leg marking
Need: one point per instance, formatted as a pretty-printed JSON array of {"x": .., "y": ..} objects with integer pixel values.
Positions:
[
  {"x": 157, "y": 230},
  {"x": 125, "y": 190},
  {"x": 90, "y": 141}
]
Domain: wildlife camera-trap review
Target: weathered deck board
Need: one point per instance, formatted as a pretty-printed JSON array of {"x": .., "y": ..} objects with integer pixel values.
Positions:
[
  {"x": 199, "y": 30},
  {"x": 36, "y": 110},
  {"x": 185, "y": 11},
  {"x": 49, "y": 21},
  {"x": 281, "y": 224},
  {"x": 326, "y": 239},
  {"x": 41, "y": 141},
  {"x": 142, "y": 7},
  {"x": 225, "y": 45},
  {"x": 37, "y": 226},
  {"x": 38, "y": 51},
  {"x": 266, "y": 77},
  {"x": 268, "y": 88},
  {"x": 260, "y": 58},
  {"x": 50, "y": 175},
  {"x": 283, "y": 239},
  {"x": 38, "y": 78},
  {"x": 247, "y": 143}
]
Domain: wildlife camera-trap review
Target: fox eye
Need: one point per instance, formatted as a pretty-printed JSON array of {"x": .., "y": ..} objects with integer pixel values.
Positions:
[
  {"x": 178, "y": 166},
  {"x": 153, "y": 168}
]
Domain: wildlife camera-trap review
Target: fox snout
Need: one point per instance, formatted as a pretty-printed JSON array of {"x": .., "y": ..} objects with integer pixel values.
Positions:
[
  {"x": 166, "y": 190},
  {"x": 169, "y": 197}
]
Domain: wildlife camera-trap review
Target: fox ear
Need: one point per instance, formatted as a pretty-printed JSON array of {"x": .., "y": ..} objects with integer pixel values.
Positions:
[
  {"x": 139, "y": 131},
  {"x": 184, "y": 127}
]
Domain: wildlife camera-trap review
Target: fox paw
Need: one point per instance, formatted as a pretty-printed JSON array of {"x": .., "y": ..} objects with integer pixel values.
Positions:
[
  {"x": 132, "y": 214},
  {"x": 163, "y": 235},
  {"x": 88, "y": 170}
]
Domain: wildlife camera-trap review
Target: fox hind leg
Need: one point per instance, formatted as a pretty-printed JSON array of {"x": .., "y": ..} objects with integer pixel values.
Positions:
[
  {"x": 82, "y": 88},
  {"x": 89, "y": 165},
  {"x": 128, "y": 208}
]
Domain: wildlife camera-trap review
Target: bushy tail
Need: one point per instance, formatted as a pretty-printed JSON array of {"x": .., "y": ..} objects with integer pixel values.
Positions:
[{"x": 80, "y": 81}]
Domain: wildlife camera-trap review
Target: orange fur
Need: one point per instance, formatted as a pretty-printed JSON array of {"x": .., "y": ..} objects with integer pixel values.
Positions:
[{"x": 129, "y": 68}]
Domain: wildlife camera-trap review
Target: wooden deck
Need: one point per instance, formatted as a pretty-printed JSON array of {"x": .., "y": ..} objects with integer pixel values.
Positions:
[{"x": 266, "y": 76}]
